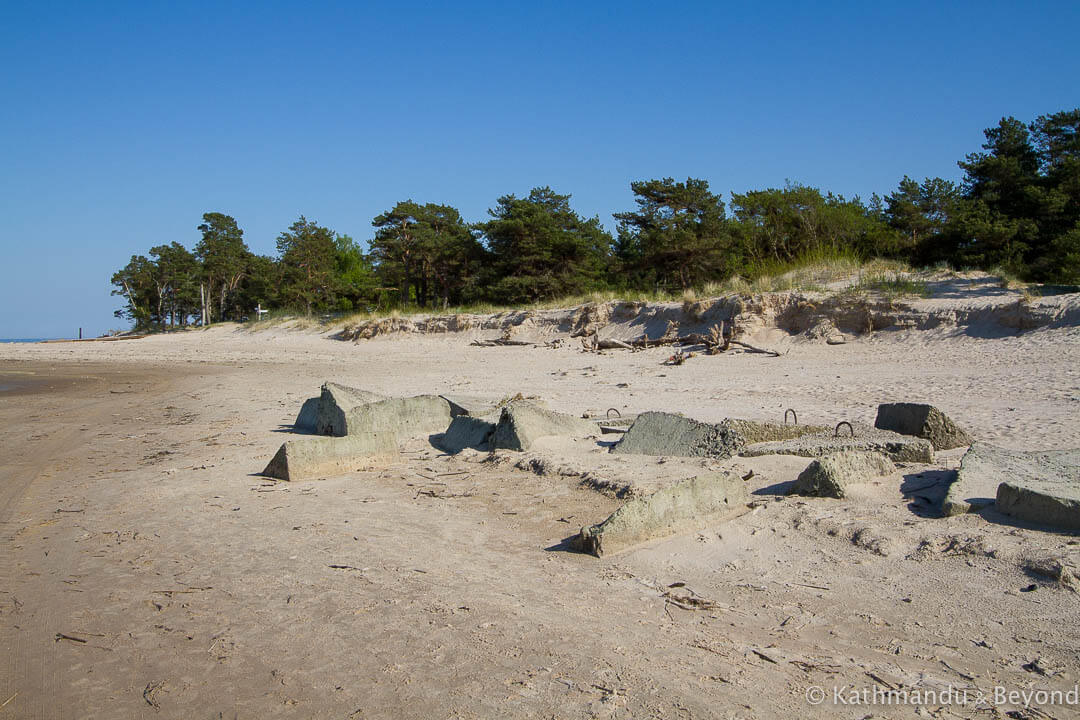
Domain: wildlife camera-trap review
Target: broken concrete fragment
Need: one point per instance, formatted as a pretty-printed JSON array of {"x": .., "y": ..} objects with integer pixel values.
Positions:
[
  {"x": 659, "y": 433},
  {"x": 751, "y": 431},
  {"x": 322, "y": 456},
  {"x": 522, "y": 423},
  {"x": 466, "y": 431},
  {"x": 1054, "y": 505},
  {"x": 923, "y": 421},
  {"x": 400, "y": 417},
  {"x": 684, "y": 506},
  {"x": 1043, "y": 486},
  {"x": 308, "y": 418},
  {"x": 982, "y": 469},
  {"x": 831, "y": 475},
  {"x": 898, "y": 448},
  {"x": 335, "y": 402},
  {"x": 468, "y": 405}
]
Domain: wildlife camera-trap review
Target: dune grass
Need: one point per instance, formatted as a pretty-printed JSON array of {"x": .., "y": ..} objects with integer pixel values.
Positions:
[
  {"x": 824, "y": 271},
  {"x": 894, "y": 284},
  {"x": 278, "y": 318}
]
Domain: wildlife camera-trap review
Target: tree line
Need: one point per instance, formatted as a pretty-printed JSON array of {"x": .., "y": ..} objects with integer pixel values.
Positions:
[{"x": 1017, "y": 208}]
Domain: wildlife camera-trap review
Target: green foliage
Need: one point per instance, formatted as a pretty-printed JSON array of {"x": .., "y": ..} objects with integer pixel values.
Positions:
[
  {"x": 894, "y": 284},
  {"x": 780, "y": 225},
  {"x": 920, "y": 212},
  {"x": 262, "y": 285},
  {"x": 1021, "y": 205},
  {"x": 308, "y": 264},
  {"x": 176, "y": 272},
  {"x": 396, "y": 247},
  {"x": 451, "y": 255},
  {"x": 540, "y": 248},
  {"x": 678, "y": 236},
  {"x": 136, "y": 284},
  {"x": 355, "y": 274},
  {"x": 224, "y": 257},
  {"x": 427, "y": 252}
]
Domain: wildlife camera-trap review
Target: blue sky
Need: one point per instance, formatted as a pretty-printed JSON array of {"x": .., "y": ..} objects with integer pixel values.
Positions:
[{"x": 121, "y": 123}]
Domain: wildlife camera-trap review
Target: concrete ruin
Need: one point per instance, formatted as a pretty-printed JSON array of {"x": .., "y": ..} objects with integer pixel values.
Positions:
[
  {"x": 372, "y": 428},
  {"x": 922, "y": 421},
  {"x": 402, "y": 417},
  {"x": 682, "y": 507},
  {"x": 469, "y": 405},
  {"x": 335, "y": 404},
  {"x": 660, "y": 433},
  {"x": 752, "y": 431},
  {"x": 898, "y": 448},
  {"x": 830, "y": 476},
  {"x": 615, "y": 426},
  {"x": 522, "y": 423},
  {"x": 1055, "y": 504},
  {"x": 1041, "y": 487},
  {"x": 315, "y": 457},
  {"x": 466, "y": 431},
  {"x": 308, "y": 418}
]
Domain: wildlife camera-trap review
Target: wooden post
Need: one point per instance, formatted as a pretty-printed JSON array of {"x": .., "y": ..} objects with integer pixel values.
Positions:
[{"x": 80, "y": 333}]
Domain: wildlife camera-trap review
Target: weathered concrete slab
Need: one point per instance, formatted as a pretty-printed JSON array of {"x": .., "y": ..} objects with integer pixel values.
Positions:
[
  {"x": 659, "y": 433},
  {"x": 923, "y": 421},
  {"x": 1056, "y": 504},
  {"x": 1040, "y": 487},
  {"x": 308, "y": 418},
  {"x": 466, "y": 431},
  {"x": 469, "y": 405},
  {"x": 830, "y": 476},
  {"x": 898, "y": 448},
  {"x": 522, "y": 423},
  {"x": 334, "y": 404},
  {"x": 685, "y": 506},
  {"x": 314, "y": 457},
  {"x": 752, "y": 431},
  {"x": 400, "y": 417},
  {"x": 982, "y": 469}
]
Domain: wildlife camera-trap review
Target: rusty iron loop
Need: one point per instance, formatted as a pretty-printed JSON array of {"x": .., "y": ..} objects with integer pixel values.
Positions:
[
  {"x": 836, "y": 432},
  {"x": 793, "y": 416},
  {"x": 613, "y": 410}
]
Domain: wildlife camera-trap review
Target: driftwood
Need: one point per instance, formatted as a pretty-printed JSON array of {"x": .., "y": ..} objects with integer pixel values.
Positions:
[
  {"x": 613, "y": 344},
  {"x": 500, "y": 342},
  {"x": 716, "y": 341},
  {"x": 751, "y": 348},
  {"x": 505, "y": 339}
]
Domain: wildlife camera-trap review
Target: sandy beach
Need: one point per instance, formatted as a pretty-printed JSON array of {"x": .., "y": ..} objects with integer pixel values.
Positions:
[{"x": 149, "y": 571}]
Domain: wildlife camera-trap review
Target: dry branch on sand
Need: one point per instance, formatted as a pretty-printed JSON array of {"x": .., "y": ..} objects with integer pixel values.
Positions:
[
  {"x": 500, "y": 342},
  {"x": 717, "y": 340},
  {"x": 504, "y": 340}
]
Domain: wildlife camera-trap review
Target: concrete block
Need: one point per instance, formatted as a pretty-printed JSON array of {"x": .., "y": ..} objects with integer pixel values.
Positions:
[
  {"x": 831, "y": 475},
  {"x": 683, "y": 507},
  {"x": 522, "y": 423},
  {"x": 922, "y": 421}
]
